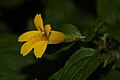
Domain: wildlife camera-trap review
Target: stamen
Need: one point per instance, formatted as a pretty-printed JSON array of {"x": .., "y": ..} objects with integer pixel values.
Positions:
[
  {"x": 44, "y": 36},
  {"x": 43, "y": 33}
]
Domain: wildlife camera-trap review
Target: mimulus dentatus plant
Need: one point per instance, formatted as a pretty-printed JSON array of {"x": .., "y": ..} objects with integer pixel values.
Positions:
[{"x": 38, "y": 39}]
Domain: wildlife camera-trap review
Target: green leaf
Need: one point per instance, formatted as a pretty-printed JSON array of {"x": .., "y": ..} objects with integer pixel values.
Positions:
[
  {"x": 80, "y": 65},
  {"x": 110, "y": 12},
  {"x": 11, "y": 62},
  {"x": 112, "y": 75},
  {"x": 71, "y": 32}
]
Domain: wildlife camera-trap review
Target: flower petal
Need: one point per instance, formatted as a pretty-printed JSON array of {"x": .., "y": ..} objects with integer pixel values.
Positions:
[
  {"x": 28, "y": 35},
  {"x": 38, "y": 22},
  {"x": 56, "y": 37},
  {"x": 40, "y": 48},
  {"x": 47, "y": 30},
  {"x": 26, "y": 48}
]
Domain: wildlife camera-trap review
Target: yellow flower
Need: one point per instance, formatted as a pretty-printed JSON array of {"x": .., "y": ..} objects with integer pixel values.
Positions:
[{"x": 38, "y": 39}]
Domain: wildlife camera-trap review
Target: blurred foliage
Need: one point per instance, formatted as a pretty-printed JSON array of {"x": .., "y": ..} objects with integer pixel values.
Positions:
[
  {"x": 110, "y": 12},
  {"x": 91, "y": 50},
  {"x": 58, "y": 12},
  {"x": 11, "y": 62},
  {"x": 3, "y": 27},
  {"x": 113, "y": 75},
  {"x": 11, "y": 3}
]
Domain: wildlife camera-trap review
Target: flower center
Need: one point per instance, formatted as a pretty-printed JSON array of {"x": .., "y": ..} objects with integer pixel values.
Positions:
[{"x": 39, "y": 38}]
